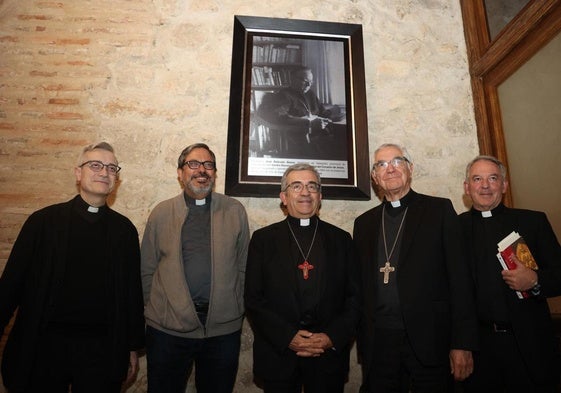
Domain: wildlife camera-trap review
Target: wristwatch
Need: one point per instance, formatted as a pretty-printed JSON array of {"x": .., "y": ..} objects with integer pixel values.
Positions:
[{"x": 536, "y": 289}]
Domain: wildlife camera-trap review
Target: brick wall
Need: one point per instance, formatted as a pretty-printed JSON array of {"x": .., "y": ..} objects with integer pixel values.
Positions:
[{"x": 151, "y": 77}]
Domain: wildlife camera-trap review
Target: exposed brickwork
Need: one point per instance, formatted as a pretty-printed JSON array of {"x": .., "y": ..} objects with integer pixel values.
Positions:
[{"x": 151, "y": 77}]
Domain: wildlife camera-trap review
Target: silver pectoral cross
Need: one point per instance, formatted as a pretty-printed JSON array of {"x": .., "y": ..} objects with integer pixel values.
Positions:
[{"x": 387, "y": 269}]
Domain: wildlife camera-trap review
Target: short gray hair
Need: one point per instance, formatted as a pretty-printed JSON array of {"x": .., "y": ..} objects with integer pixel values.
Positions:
[
  {"x": 492, "y": 159},
  {"x": 100, "y": 145},
  {"x": 302, "y": 166}
]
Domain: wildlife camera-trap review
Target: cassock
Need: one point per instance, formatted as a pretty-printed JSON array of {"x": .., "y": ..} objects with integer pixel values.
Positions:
[{"x": 283, "y": 294}]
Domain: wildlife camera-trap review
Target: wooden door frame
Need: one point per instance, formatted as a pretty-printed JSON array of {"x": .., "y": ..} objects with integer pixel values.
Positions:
[{"x": 491, "y": 62}]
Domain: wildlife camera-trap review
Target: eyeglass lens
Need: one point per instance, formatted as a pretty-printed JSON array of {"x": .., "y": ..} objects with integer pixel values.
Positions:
[
  {"x": 196, "y": 164},
  {"x": 299, "y": 187},
  {"x": 97, "y": 166},
  {"x": 395, "y": 162}
]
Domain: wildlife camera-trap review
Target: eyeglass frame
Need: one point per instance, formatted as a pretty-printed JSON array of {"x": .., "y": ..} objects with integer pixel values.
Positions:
[
  {"x": 302, "y": 185},
  {"x": 205, "y": 164},
  {"x": 108, "y": 166},
  {"x": 396, "y": 162}
]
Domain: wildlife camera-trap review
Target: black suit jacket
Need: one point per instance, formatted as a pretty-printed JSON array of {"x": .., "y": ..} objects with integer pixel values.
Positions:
[
  {"x": 530, "y": 317},
  {"x": 33, "y": 277},
  {"x": 272, "y": 305},
  {"x": 434, "y": 284}
]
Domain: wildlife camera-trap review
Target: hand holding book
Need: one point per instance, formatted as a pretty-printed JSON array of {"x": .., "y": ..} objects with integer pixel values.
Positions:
[{"x": 519, "y": 264}]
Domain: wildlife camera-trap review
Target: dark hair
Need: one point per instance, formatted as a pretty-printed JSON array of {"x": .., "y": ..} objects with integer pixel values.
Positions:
[{"x": 189, "y": 149}]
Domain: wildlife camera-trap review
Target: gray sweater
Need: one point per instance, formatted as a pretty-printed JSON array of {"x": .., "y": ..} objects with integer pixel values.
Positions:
[{"x": 168, "y": 304}]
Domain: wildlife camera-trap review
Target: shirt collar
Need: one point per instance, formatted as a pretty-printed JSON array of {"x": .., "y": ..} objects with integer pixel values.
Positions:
[
  {"x": 197, "y": 202},
  {"x": 489, "y": 213}
]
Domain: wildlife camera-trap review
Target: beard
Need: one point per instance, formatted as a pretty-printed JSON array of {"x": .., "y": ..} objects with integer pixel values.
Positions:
[{"x": 197, "y": 189}]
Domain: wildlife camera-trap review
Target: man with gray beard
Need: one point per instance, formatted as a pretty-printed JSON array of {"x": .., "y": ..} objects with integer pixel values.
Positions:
[{"x": 193, "y": 258}]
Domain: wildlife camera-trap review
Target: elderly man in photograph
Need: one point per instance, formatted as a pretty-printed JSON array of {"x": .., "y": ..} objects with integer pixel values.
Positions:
[{"x": 304, "y": 121}]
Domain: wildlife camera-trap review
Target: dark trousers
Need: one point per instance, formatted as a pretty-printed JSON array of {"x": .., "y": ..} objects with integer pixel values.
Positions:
[
  {"x": 499, "y": 367},
  {"x": 170, "y": 360},
  {"x": 80, "y": 362},
  {"x": 311, "y": 376},
  {"x": 395, "y": 368}
]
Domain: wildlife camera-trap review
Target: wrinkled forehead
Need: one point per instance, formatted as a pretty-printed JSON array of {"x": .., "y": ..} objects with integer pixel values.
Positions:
[
  {"x": 304, "y": 176},
  {"x": 484, "y": 168},
  {"x": 387, "y": 153},
  {"x": 102, "y": 155}
]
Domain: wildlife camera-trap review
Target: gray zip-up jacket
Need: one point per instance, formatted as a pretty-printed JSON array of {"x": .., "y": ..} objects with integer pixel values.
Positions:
[{"x": 167, "y": 300}]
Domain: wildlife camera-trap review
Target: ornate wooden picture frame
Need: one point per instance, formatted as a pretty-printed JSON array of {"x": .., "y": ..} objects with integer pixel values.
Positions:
[{"x": 297, "y": 94}]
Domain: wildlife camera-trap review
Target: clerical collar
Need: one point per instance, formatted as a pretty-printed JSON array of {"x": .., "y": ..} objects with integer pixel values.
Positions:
[
  {"x": 395, "y": 208},
  {"x": 197, "y": 202},
  {"x": 83, "y": 206},
  {"x": 90, "y": 213},
  {"x": 488, "y": 213},
  {"x": 302, "y": 222},
  {"x": 403, "y": 202}
]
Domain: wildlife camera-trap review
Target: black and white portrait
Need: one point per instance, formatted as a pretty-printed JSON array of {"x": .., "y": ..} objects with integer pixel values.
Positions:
[{"x": 298, "y": 105}]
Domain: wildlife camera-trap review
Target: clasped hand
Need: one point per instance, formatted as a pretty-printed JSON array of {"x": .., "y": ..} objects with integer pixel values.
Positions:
[
  {"x": 308, "y": 344},
  {"x": 318, "y": 121}
]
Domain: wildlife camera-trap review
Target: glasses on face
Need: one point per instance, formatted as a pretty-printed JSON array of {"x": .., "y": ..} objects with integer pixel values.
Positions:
[
  {"x": 396, "y": 162},
  {"x": 97, "y": 166},
  {"x": 193, "y": 164},
  {"x": 298, "y": 186}
]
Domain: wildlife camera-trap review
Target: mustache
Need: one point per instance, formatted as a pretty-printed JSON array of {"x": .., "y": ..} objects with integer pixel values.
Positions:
[{"x": 200, "y": 174}]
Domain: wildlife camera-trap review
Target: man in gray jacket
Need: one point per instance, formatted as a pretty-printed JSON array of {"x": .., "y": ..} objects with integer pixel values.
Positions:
[{"x": 193, "y": 254}]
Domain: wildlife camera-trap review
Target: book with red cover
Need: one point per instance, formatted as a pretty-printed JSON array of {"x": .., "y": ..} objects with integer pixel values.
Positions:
[{"x": 515, "y": 245}]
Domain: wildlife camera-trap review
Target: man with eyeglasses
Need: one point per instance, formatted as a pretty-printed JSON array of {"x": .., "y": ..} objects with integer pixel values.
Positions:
[
  {"x": 519, "y": 351},
  {"x": 302, "y": 119},
  {"x": 74, "y": 276},
  {"x": 194, "y": 252},
  {"x": 419, "y": 324},
  {"x": 301, "y": 294}
]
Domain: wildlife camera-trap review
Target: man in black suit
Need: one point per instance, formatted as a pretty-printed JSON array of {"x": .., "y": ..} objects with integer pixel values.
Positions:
[
  {"x": 419, "y": 322},
  {"x": 301, "y": 294},
  {"x": 73, "y": 276},
  {"x": 519, "y": 352}
]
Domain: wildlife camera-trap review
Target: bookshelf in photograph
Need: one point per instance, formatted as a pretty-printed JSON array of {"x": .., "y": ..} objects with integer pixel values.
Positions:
[{"x": 272, "y": 59}]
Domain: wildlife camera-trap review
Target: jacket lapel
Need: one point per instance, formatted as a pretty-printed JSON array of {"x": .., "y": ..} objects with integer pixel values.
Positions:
[
  {"x": 411, "y": 226},
  {"x": 62, "y": 232},
  {"x": 288, "y": 260}
]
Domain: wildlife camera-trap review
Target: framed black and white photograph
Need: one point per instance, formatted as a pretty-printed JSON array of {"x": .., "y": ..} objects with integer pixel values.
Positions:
[{"x": 297, "y": 95}]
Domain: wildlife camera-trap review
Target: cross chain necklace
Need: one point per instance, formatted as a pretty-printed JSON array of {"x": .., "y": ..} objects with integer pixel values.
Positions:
[
  {"x": 387, "y": 269},
  {"x": 304, "y": 266}
]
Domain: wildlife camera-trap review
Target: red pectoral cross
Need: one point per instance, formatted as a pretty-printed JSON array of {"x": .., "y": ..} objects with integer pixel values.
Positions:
[
  {"x": 387, "y": 269},
  {"x": 305, "y": 267}
]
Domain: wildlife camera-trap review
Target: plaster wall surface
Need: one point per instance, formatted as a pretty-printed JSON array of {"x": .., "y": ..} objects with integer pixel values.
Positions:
[{"x": 153, "y": 76}]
